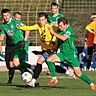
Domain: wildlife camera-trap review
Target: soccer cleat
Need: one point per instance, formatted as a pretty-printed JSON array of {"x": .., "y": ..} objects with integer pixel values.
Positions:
[
  {"x": 31, "y": 84},
  {"x": 93, "y": 87},
  {"x": 52, "y": 82}
]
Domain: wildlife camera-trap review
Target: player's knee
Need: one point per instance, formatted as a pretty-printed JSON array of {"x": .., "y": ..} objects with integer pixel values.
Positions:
[
  {"x": 16, "y": 64},
  {"x": 41, "y": 60},
  {"x": 49, "y": 59}
]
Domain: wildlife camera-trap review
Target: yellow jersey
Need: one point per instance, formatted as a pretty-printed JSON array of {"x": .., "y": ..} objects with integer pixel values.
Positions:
[
  {"x": 92, "y": 28},
  {"x": 46, "y": 37}
]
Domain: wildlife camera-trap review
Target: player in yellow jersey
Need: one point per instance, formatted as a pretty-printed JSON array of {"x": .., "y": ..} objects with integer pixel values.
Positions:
[
  {"x": 92, "y": 29},
  {"x": 47, "y": 41}
]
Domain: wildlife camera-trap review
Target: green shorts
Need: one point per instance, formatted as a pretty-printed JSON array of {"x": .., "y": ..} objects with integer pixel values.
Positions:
[
  {"x": 72, "y": 59},
  {"x": 19, "y": 52}
]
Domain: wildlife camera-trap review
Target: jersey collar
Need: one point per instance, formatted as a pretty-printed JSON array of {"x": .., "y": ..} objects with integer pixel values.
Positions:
[{"x": 9, "y": 21}]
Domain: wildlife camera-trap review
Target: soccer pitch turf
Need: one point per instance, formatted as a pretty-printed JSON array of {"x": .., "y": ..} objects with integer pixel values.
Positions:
[{"x": 67, "y": 86}]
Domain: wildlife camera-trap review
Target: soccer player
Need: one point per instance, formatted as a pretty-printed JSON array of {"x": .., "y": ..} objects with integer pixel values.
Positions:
[
  {"x": 9, "y": 50},
  {"x": 67, "y": 53},
  {"x": 53, "y": 19},
  {"x": 47, "y": 41},
  {"x": 17, "y": 16},
  {"x": 16, "y": 43},
  {"x": 92, "y": 29}
]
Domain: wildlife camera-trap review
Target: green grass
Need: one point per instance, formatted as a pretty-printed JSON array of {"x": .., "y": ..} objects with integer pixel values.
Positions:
[{"x": 66, "y": 86}]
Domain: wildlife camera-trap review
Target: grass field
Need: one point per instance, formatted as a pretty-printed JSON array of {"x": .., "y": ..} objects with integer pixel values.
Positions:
[{"x": 66, "y": 86}]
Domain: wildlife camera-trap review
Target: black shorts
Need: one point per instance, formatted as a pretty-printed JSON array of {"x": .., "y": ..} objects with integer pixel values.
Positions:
[
  {"x": 9, "y": 54},
  {"x": 94, "y": 47},
  {"x": 90, "y": 50}
]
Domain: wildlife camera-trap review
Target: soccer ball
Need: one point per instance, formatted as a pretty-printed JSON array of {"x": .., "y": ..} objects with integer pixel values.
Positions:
[{"x": 26, "y": 77}]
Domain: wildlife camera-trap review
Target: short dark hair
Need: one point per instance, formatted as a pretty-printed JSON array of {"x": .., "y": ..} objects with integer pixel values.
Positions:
[
  {"x": 54, "y": 4},
  {"x": 17, "y": 13},
  {"x": 63, "y": 19},
  {"x": 5, "y": 11},
  {"x": 41, "y": 14},
  {"x": 94, "y": 13}
]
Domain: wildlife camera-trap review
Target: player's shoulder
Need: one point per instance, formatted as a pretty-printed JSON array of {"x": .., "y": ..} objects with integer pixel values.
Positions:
[
  {"x": 3, "y": 24},
  {"x": 70, "y": 28},
  {"x": 49, "y": 25},
  {"x": 60, "y": 14},
  {"x": 16, "y": 21}
]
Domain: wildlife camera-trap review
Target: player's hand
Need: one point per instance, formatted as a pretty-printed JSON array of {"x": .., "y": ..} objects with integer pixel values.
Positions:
[
  {"x": 22, "y": 44},
  {"x": 0, "y": 49},
  {"x": 18, "y": 26},
  {"x": 53, "y": 43},
  {"x": 86, "y": 39}
]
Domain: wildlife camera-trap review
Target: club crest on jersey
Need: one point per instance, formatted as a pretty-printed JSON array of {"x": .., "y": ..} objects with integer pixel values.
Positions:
[{"x": 10, "y": 33}]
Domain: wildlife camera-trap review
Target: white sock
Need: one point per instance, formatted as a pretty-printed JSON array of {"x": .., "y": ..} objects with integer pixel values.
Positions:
[
  {"x": 67, "y": 72},
  {"x": 91, "y": 84},
  {"x": 54, "y": 77},
  {"x": 33, "y": 80}
]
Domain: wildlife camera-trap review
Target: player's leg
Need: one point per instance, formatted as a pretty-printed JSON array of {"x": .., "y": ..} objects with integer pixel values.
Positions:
[
  {"x": 51, "y": 66},
  {"x": 93, "y": 61},
  {"x": 65, "y": 68},
  {"x": 38, "y": 67},
  {"x": 74, "y": 62},
  {"x": 84, "y": 77},
  {"x": 37, "y": 70},
  {"x": 8, "y": 59},
  {"x": 19, "y": 58}
]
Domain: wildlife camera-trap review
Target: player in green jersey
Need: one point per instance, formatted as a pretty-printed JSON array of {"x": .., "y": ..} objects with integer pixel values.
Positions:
[
  {"x": 53, "y": 18},
  {"x": 67, "y": 53},
  {"x": 17, "y": 37},
  {"x": 17, "y": 16}
]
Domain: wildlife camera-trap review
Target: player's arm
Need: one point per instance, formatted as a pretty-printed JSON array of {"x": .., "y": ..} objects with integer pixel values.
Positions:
[
  {"x": 26, "y": 35},
  {"x": 91, "y": 27},
  {"x": 62, "y": 37},
  {"x": 33, "y": 27},
  {"x": 1, "y": 39},
  {"x": 2, "y": 36}
]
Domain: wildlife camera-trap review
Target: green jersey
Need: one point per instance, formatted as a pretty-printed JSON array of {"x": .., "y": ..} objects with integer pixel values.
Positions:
[
  {"x": 9, "y": 29},
  {"x": 67, "y": 46},
  {"x": 53, "y": 19}
]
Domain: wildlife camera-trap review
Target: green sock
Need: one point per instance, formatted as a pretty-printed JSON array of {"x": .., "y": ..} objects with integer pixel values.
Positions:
[
  {"x": 85, "y": 78},
  {"x": 24, "y": 64},
  {"x": 51, "y": 68}
]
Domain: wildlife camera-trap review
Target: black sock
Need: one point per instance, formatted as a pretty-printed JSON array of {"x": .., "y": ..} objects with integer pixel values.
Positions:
[
  {"x": 59, "y": 69},
  {"x": 11, "y": 74},
  {"x": 37, "y": 71},
  {"x": 22, "y": 70}
]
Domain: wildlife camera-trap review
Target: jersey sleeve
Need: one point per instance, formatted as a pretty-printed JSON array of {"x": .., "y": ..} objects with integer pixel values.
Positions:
[
  {"x": 2, "y": 30},
  {"x": 91, "y": 27},
  {"x": 33, "y": 27},
  {"x": 68, "y": 34}
]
